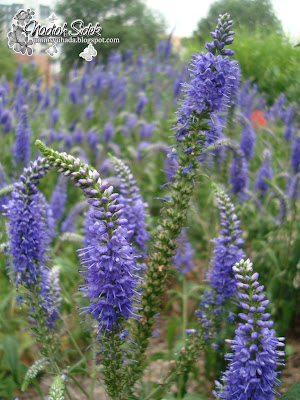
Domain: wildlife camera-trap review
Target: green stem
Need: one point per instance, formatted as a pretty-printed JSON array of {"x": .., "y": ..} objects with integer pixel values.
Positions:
[
  {"x": 72, "y": 339},
  {"x": 181, "y": 383},
  {"x": 184, "y": 308},
  {"x": 93, "y": 377},
  {"x": 6, "y": 190},
  {"x": 79, "y": 386}
]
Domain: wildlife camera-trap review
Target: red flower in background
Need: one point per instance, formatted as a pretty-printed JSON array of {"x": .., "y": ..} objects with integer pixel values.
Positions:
[{"x": 258, "y": 119}]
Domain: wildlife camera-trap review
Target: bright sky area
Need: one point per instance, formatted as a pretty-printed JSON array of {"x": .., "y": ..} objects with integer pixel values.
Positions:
[{"x": 184, "y": 14}]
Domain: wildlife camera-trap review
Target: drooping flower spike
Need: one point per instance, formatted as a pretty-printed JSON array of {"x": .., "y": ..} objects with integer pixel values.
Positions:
[
  {"x": 29, "y": 238},
  {"x": 252, "y": 373},
  {"x": 108, "y": 259}
]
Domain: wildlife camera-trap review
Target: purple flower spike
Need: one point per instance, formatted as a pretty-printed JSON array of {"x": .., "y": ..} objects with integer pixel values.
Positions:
[
  {"x": 59, "y": 197},
  {"x": 223, "y": 36},
  {"x": 141, "y": 104},
  {"x": 227, "y": 250},
  {"x": 295, "y": 157},
  {"x": 21, "y": 148},
  {"x": 248, "y": 139},
  {"x": 252, "y": 370},
  {"x": 266, "y": 171},
  {"x": 29, "y": 237}
]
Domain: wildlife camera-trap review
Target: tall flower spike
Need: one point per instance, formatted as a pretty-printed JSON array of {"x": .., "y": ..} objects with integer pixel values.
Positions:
[
  {"x": 252, "y": 371},
  {"x": 21, "y": 147},
  {"x": 58, "y": 198},
  {"x": 223, "y": 36},
  {"x": 212, "y": 80},
  {"x": 248, "y": 138},
  {"x": 108, "y": 259},
  {"x": 134, "y": 207},
  {"x": 29, "y": 238},
  {"x": 3, "y": 182},
  {"x": 227, "y": 250},
  {"x": 295, "y": 157},
  {"x": 265, "y": 171}
]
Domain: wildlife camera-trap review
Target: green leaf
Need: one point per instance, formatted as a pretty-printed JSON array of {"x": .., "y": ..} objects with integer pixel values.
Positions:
[
  {"x": 194, "y": 397},
  {"x": 9, "y": 344},
  {"x": 293, "y": 393}
]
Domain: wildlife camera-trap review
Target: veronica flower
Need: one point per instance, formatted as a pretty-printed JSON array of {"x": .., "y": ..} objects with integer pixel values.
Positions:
[
  {"x": 265, "y": 171},
  {"x": 248, "y": 139},
  {"x": 295, "y": 157},
  {"x": 108, "y": 260},
  {"x": 211, "y": 83},
  {"x": 55, "y": 115},
  {"x": 108, "y": 132},
  {"x": 29, "y": 238},
  {"x": 147, "y": 130},
  {"x": 141, "y": 103},
  {"x": 89, "y": 111},
  {"x": 227, "y": 250},
  {"x": 134, "y": 207},
  {"x": 239, "y": 175},
  {"x": 289, "y": 116},
  {"x": 183, "y": 258},
  {"x": 58, "y": 198},
  {"x": 3, "y": 182},
  {"x": 131, "y": 120},
  {"x": 252, "y": 370},
  {"x": 293, "y": 187},
  {"x": 21, "y": 148}
]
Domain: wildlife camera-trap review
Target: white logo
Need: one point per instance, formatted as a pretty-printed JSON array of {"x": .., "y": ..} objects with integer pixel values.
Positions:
[
  {"x": 18, "y": 39},
  {"x": 52, "y": 50},
  {"x": 88, "y": 53},
  {"x": 52, "y": 18}
]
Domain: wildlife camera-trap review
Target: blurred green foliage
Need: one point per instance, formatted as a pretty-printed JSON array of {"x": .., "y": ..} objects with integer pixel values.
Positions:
[
  {"x": 131, "y": 21},
  {"x": 249, "y": 14}
]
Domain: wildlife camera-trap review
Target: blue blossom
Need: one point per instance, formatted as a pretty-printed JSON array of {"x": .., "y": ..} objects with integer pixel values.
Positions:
[
  {"x": 131, "y": 120},
  {"x": 147, "y": 130},
  {"x": 295, "y": 157},
  {"x": 141, "y": 103},
  {"x": 227, "y": 250},
  {"x": 108, "y": 132},
  {"x": 55, "y": 115},
  {"x": 134, "y": 208},
  {"x": 21, "y": 147},
  {"x": 29, "y": 238},
  {"x": 3, "y": 182},
  {"x": 252, "y": 370},
  {"x": 58, "y": 198},
  {"x": 265, "y": 171},
  {"x": 239, "y": 175},
  {"x": 89, "y": 111},
  {"x": 223, "y": 36},
  {"x": 248, "y": 139},
  {"x": 109, "y": 265},
  {"x": 288, "y": 118},
  {"x": 92, "y": 139},
  {"x": 108, "y": 260},
  {"x": 183, "y": 258}
]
